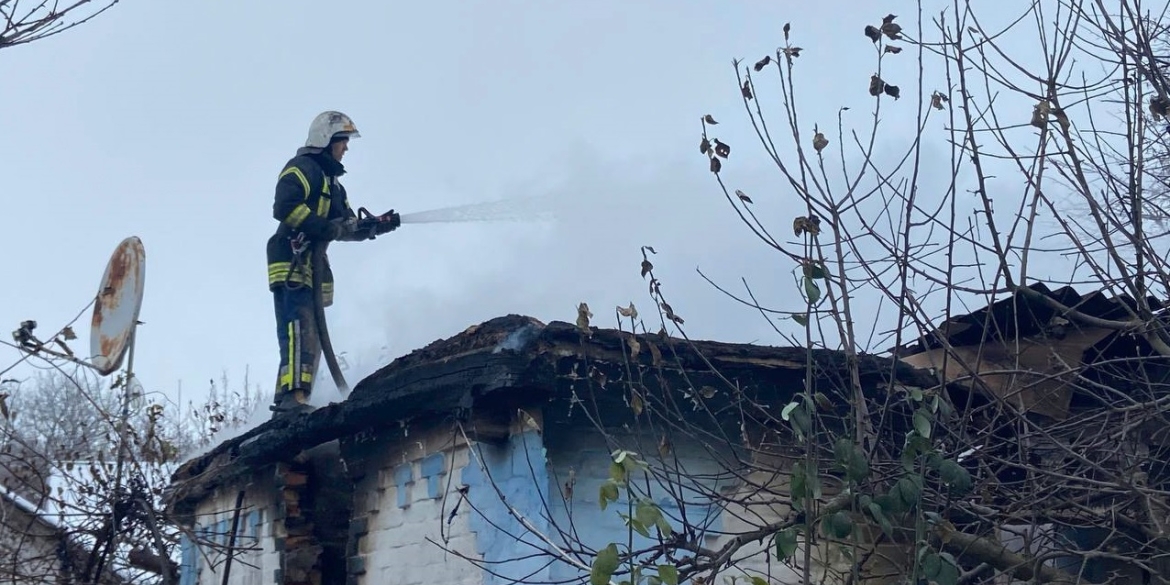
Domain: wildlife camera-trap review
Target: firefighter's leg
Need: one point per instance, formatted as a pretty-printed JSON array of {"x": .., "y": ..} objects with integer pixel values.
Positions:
[
  {"x": 310, "y": 345},
  {"x": 295, "y": 377}
]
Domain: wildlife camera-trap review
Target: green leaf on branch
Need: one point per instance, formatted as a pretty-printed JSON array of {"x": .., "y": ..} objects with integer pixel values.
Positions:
[
  {"x": 647, "y": 513},
  {"x": 908, "y": 490},
  {"x": 636, "y": 524},
  {"x": 916, "y": 445},
  {"x": 668, "y": 574},
  {"x": 955, "y": 476},
  {"x": 851, "y": 459},
  {"x": 922, "y": 422},
  {"x": 812, "y": 291},
  {"x": 878, "y": 514},
  {"x": 788, "y": 408},
  {"x": 608, "y": 493},
  {"x": 840, "y": 524},
  {"x": 801, "y": 421},
  {"x": 604, "y": 565},
  {"x": 940, "y": 569},
  {"x": 786, "y": 543},
  {"x": 815, "y": 270},
  {"x": 617, "y": 473}
]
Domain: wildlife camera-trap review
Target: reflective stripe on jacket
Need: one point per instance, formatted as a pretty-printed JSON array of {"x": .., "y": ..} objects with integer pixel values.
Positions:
[{"x": 308, "y": 196}]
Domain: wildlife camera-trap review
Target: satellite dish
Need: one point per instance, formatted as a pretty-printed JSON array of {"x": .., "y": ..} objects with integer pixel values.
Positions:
[{"x": 116, "y": 308}]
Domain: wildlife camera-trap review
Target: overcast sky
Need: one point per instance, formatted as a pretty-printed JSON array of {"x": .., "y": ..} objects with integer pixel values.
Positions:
[{"x": 171, "y": 120}]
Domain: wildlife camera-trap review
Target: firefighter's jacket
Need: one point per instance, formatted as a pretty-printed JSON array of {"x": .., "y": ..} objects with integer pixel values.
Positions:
[{"x": 308, "y": 196}]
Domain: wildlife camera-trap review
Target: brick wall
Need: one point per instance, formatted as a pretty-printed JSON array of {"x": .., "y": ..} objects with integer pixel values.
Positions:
[
  {"x": 403, "y": 505},
  {"x": 582, "y": 455},
  {"x": 507, "y": 480},
  {"x": 255, "y": 560}
]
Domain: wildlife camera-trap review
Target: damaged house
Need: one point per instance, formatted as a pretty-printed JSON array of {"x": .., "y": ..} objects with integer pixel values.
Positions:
[
  {"x": 479, "y": 459},
  {"x": 489, "y": 457}
]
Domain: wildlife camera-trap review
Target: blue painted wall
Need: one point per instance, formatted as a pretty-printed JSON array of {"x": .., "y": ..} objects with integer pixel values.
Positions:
[
  {"x": 518, "y": 470},
  {"x": 585, "y": 453},
  {"x": 530, "y": 471}
]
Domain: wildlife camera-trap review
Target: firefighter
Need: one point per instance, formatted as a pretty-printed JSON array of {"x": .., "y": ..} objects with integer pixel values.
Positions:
[{"x": 312, "y": 209}]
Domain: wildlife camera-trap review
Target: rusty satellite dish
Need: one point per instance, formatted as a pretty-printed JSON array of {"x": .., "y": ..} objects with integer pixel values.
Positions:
[{"x": 116, "y": 308}]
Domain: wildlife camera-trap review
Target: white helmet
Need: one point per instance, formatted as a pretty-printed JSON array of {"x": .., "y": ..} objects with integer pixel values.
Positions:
[{"x": 327, "y": 125}]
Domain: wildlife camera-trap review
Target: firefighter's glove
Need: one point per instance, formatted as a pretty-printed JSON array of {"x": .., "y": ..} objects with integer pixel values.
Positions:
[{"x": 345, "y": 229}]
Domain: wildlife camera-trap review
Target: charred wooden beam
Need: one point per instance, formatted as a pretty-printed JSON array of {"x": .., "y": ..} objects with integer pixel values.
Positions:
[{"x": 482, "y": 374}]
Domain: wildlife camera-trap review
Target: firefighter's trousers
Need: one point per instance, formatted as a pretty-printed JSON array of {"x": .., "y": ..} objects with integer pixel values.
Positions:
[{"x": 300, "y": 345}]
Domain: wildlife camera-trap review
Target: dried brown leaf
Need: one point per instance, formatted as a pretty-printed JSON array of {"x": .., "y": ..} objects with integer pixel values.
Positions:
[
  {"x": 68, "y": 333},
  {"x": 710, "y": 119},
  {"x": 704, "y": 145},
  {"x": 823, "y": 401},
  {"x": 759, "y": 66},
  {"x": 792, "y": 51},
  {"x": 894, "y": 50},
  {"x": 873, "y": 33},
  {"x": 743, "y": 196},
  {"x": 893, "y": 91},
  {"x": 819, "y": 142},
  {"x": 787, "y": 28},
  {"x": 655, "y": 353},
  {"x": 876, "y": 85},
  {"x": 1040, "y": 113},
  {"x": 629, "y": 311},
  {"x": 583, "y": 315},
  {"x": 670, "y": 313},
  {"x": 746, "y": 90},
  {"x": 806, "y": 225},
  {"x": 1158, "y": 107},
  {"x": 893, "y": 31},
  {"x": 635, "y": 347},
  {"x": 635, "y": 402},
  {"x": 715, "y": 165},
  {"x": 598, "y": 376},
  {"x": 722, "y": 149},
  {"x": 889, "y": 18},
  {"x": 937, "y": 99},
  {"x": 646, "y": 268}
]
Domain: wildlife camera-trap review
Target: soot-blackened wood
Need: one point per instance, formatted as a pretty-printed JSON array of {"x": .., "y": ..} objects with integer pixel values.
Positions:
[
  {"x": 519, "y": 361},
  {"x": 415, "y": 393}
]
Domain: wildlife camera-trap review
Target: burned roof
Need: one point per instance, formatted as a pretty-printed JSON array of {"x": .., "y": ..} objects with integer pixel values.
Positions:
[
  {"x": 1028, "y": 349},
  {"x": 517, "y": 358},
  {"x": 1025, "y": 315}
]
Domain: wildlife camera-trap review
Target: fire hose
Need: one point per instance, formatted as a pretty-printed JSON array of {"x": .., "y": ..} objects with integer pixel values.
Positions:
[
  {"x": 318, "y": 264},
  {"x": 368, "y": 223}
]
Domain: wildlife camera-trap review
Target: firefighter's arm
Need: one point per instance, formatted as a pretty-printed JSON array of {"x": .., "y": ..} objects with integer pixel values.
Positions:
[
  {"x": 349, "y": 220},
  {"x": 291, "y": 205}
]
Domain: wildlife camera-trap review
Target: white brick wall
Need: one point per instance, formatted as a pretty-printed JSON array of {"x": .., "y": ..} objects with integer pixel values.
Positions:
[
  {"x": 255, "y": 559},
  {"x": 407, "y": 497}
]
